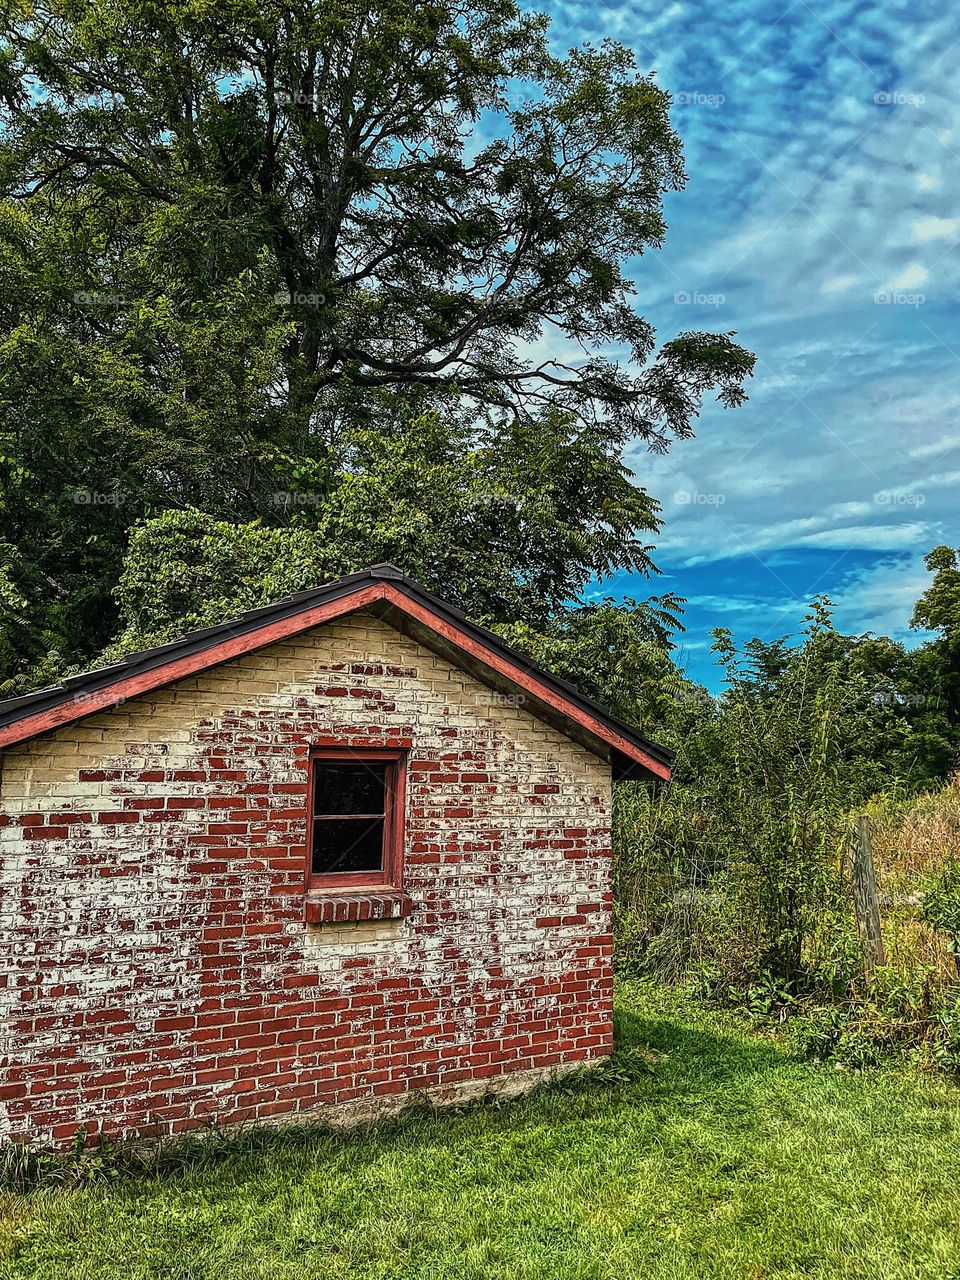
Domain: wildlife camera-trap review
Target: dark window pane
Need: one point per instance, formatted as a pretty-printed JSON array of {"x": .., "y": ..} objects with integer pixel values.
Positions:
[
  {"x": 349, "y": 788},
  {"x": 347, "y": 844}
]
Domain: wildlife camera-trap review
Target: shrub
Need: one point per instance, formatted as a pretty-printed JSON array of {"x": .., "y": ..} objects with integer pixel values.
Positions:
[
  {"x": 891, "y": 1017},
  {"x": 738, "y": 862},
  {"x": 941, "y": 905}
]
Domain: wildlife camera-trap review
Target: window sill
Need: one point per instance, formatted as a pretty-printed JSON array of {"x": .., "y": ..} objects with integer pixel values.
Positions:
[{"x": 344, "y": 906}]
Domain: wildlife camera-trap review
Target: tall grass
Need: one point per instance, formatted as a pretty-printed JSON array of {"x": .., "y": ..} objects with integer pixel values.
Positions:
[
  {"x": 694, "y": 908},
  {"x": 915, "y": 840}
]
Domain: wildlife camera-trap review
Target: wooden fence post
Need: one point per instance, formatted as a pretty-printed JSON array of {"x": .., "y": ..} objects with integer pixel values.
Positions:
[{"x": 866, "y": 905}]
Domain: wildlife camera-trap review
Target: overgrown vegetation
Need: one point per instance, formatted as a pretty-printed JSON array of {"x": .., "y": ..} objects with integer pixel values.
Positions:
[{"x": 736, "y": 880}]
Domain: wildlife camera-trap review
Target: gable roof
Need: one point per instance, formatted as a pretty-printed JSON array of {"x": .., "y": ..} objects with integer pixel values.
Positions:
[{"x": 388, "y": 594}]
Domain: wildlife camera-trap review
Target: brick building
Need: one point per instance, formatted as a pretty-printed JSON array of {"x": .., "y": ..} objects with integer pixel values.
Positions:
[{"x": 340, "y": 849}]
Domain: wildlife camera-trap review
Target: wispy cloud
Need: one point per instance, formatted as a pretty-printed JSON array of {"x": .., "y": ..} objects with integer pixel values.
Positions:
[{"x": 823, "y": 147}]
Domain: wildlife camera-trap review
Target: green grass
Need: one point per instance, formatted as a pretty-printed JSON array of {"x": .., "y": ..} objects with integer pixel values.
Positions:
[{"x": 725, "y": 1158}]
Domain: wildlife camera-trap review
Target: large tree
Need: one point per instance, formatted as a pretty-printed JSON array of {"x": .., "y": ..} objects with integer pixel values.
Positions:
[
  {"x": 234, "y": 233},
  {"x": 938, "y": 610}
]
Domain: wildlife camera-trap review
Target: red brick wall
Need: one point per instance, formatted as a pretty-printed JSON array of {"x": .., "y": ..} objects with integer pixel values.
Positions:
[{"x": 157, "y": 971}]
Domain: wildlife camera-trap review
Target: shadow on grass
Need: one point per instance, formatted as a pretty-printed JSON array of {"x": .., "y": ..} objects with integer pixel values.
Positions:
[
  {"x": 699, "y": 1057},
  {"x": 673, "y": 1065}
]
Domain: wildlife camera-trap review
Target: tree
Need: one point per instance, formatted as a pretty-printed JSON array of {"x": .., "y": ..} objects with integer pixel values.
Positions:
[
  {"x": 938, "y": 609},
  {"x": 907, "y": 734},
  {"x": 506, "y": 534},
  {"x": 332, "y": 147},
  {"x": 938, "y": 661},
  {"x": 618, "y": 652},
  {"x": 234, "y": 234}
]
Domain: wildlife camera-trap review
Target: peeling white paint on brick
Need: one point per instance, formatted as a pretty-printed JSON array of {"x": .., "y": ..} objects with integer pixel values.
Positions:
[{"x": 145, "y": 954}]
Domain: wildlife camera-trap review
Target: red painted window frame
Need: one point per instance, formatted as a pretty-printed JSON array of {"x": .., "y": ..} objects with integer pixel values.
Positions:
[{"x": 391, "y": 876}]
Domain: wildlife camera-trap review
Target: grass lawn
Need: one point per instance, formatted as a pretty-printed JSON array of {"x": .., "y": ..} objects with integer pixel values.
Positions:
[{"x": 727, "y": 1158}]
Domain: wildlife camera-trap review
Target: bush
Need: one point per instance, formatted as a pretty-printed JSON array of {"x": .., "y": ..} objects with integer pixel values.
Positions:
[
  {"x": 892, "y": 1016},
  {"x": 941, "y": 905},
  {"x": 737, "y": 863}
]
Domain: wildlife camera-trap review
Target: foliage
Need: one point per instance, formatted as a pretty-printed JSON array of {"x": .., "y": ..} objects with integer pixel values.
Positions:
[
  {"x": 911, "y": 1005},
  {"x": 742, "y": 856},
  {"x": 941, "y": 904},
  {"x": 507, "y": 534},
  {"x": 241, "y": 244},
  {"x": 26, "y": 643},
  {"x": 186, "y": 570},
  {"x": 909, "y": 1008},
  {"x": 938, "y": 609},
  {"x": 616, "y": 652},
  {"x": 864, "y": 1032},
  {"x": 734, "y": 877},
  {"x": 334, "y": 149},
  {"x": 26, "y": 1166}
]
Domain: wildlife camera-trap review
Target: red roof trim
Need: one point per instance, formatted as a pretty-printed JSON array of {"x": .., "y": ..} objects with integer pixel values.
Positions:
[
  {"x": 518, "y": 676},
  {"x": 131, "y": 686},
  {"x": 145, "y": 682}
]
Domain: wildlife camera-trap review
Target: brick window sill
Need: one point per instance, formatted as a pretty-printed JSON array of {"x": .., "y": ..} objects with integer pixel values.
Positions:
[{"x": 355, "y": 905}]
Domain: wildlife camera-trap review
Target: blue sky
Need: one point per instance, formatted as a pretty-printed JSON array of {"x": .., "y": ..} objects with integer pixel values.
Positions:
[{"x": 821, "y": 222}]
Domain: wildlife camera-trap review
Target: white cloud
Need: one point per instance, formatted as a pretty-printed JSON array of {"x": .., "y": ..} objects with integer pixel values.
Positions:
[
  {"x": 840, "y": 510},
  {"x": 881, "y": 599},
  {"x": 874, "y": 537},
  {"x": 911, "y": 277},
  {"x": 730, "y": 604},
  {"x": 839, "y": 284},
  {"x": 928, "y": 181},
  {"x": 934, "y": 447},
  {"x": 932, "y": 228}
]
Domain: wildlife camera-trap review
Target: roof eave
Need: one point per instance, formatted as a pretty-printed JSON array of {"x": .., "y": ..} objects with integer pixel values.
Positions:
[{"x": 383, "y": 586}]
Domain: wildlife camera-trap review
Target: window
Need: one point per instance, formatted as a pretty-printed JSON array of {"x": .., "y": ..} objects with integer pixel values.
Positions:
[{"x": 356, "y": 818}]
